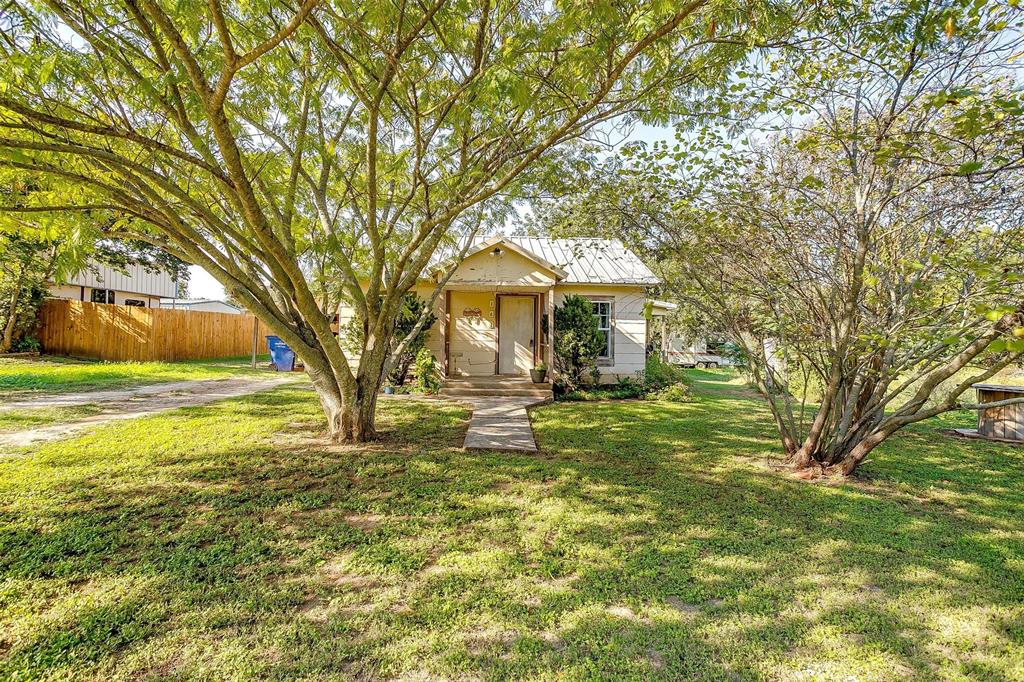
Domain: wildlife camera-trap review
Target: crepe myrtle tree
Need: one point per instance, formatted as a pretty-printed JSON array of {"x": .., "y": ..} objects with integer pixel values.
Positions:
[
  {"x": 865, "y": 249},
  {"x": 304, "y": 152}
]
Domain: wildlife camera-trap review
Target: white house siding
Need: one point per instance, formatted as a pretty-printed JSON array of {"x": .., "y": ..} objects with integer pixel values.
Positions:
[
  {"x": 136, "y": 280},
  {"x": 506, "y": 269},
  {"x": 136, "y": 283},
  {"x": 474, "y": 337},
  {"x": 80, "y": 293},
  {"x": 629, "y": 326},
  {"x": 68, "y": 291},
  {"x": 434, "y": 342}
]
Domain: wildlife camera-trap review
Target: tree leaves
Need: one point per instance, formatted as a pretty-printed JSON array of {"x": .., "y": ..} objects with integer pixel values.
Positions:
[{"x": 969, "y": 167}]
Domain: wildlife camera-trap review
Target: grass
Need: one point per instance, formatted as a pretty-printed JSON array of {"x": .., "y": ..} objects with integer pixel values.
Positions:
[
  {"x": 647, "y": 541},
  {"x": 21, "y": 376},
  {"x": 18, "y": 420}
]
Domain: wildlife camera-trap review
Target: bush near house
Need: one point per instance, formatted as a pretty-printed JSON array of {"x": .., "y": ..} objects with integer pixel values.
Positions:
[
  {"x": 578, "y": 341},
  {"x": 657, "y": 381},
  {"x": 428, "y": 372}
]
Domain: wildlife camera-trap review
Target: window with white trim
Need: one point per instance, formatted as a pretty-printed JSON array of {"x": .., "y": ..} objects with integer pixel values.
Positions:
[{"x": 603, "y": 313}]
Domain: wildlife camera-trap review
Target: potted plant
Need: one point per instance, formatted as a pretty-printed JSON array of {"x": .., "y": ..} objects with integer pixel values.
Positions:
[{"x": 539, "y": 373}]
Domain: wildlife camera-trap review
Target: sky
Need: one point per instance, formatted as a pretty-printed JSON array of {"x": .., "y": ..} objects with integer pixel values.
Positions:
[{"x": 202, "y": 285}]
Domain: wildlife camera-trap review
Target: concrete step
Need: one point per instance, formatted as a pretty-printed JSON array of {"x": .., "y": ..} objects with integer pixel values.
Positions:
[
  {"x": 531, "y": 391},
  {"x": 491, "y": 379}
]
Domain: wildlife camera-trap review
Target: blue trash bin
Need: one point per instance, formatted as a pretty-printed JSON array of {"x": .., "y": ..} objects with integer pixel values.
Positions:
[{"x": 281, "y": 356}]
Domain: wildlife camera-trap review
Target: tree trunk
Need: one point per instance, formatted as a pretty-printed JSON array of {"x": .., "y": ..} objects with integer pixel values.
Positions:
[
  {"x": 350, "y": 411},
  {"x": 849, "y": 463},
  {"x": 12, "y": 319},
  {"x": 358, "y": 419},
  {"x": 350, "y": 414}
]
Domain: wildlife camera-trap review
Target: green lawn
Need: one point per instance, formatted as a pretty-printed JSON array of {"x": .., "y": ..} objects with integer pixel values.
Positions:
[
  {"x": 21, "y": 376},
  {"x": 18, "y": 420},
  {"x": 647, "y": 541}
]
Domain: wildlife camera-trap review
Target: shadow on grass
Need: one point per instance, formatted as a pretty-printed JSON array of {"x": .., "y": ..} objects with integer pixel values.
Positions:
[{"x": 643, "y": 542}]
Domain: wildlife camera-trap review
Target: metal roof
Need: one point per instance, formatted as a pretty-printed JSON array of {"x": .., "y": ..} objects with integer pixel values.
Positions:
[
  {"x": 999, "y": 387},
  {"x": 196, "y": 301},
  {"x": 589, "y": 261}
]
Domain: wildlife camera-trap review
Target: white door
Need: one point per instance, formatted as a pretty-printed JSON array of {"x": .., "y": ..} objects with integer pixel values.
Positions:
[{"x": 515, "y": 335}]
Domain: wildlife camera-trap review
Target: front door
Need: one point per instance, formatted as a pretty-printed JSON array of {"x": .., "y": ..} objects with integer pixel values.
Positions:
[{"x": 516, "y": 326}]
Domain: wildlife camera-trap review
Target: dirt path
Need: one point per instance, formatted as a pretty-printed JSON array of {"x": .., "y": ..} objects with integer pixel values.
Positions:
[
  {"x": 130, "y": 403},
  {"x": 45, "y": 400}
]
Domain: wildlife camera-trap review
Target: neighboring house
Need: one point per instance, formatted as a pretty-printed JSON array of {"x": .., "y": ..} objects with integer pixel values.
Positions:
[
  {"x": 496, "y": 312},
  {"x": 101, "y": 284},
  {"x": 209, "y": 305}
]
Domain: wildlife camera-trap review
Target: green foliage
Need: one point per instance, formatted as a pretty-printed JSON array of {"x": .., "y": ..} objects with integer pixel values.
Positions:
[
  {"x": 352, "y": 335},
  {"x": 427, "y": 372},
  {"x": 26, "y": 343},
  {"x": 412, "y": 308},
  {"x": 659, "y": 374},
  {"x": 19, "y": 321},
  {"x": 578, "y": 341},
  {"x": 643, "y": 531},
  {"x": 26, "y": 264},
  {"x": 21, "y": 377},
  {"x": 678, "y": 392},
  {"x": 657, "y": 381},
  {"x": 301, "y": 152},
  {"x": 664, "y": 381}
]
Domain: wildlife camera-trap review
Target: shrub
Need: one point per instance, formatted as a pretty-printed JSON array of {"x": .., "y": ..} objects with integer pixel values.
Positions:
[
  {"x": 659, "y": 374},
  {"x": 627, "y": 387},
  {"x": 678, "y": 392},
  {"x": 664, "y": 381},
  {"x": 428, "y": 374},
  {"x": 27, "y": 344},
  {"x": 29, "y": 299},
  {"x": 578, "y": 341}
]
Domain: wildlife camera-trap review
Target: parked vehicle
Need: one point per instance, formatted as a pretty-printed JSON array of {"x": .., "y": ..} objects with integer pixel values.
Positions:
[
  {"x": 698, "y": 360},
  {"x": 700, "y": 354}
]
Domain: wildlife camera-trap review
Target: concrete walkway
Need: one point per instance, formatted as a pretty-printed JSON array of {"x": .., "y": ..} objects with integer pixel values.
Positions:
[
  {"x": 131, "y": 403},
  {"x": 500, "y": 423}
]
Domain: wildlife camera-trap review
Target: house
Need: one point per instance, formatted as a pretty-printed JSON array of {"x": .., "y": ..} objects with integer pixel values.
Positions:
[
  {"x": 209, "y": 305},
  {"x": 136, "y": 286},
  {"x": 495, "y": 313}
]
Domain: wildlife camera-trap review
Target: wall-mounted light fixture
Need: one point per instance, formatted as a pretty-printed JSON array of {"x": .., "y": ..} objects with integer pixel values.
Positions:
[{"x": 496, "y": 251}]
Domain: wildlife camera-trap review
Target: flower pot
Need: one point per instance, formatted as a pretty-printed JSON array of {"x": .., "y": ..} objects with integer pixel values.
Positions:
[
  {"x": 538, "y": 375},
  {"x": 389, "y": 390}
]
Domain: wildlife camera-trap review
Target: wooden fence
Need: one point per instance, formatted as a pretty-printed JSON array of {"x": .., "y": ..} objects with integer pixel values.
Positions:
[{"x": 120, "y": 332}]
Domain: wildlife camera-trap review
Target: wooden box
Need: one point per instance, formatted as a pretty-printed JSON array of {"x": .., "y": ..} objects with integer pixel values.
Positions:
[{"x": 1001, "y": 423}]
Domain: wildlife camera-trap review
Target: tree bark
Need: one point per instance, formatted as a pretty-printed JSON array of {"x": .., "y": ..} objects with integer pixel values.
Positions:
[
  {"x": 853, "y": 459},
  {"x": 12, "y": 318}
]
